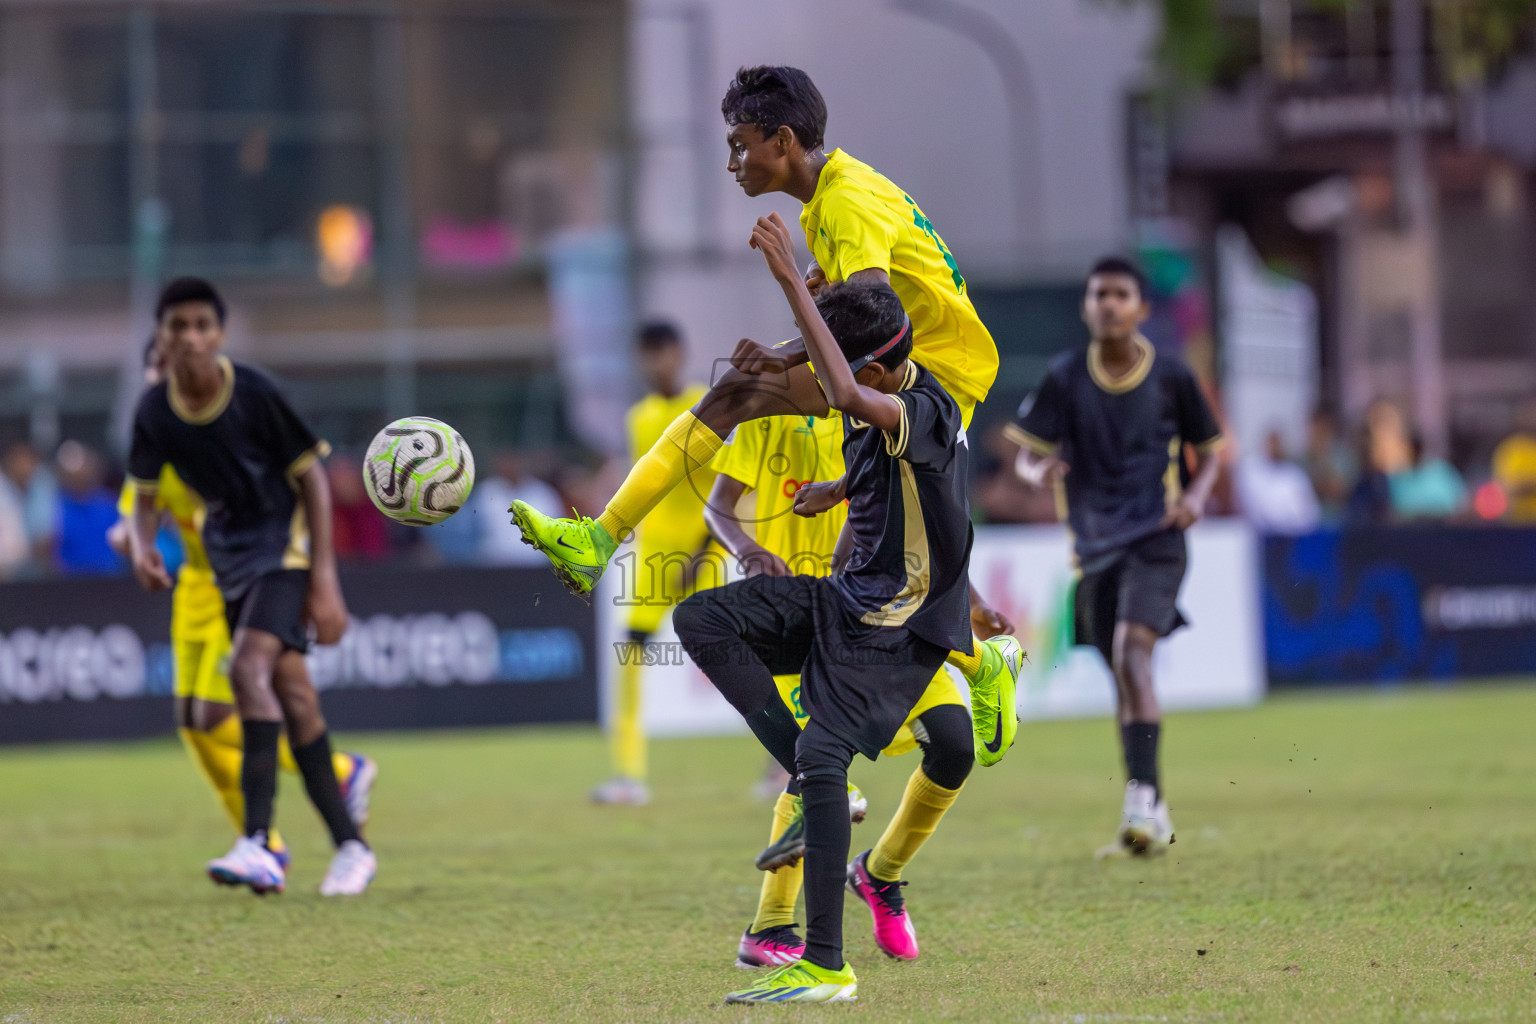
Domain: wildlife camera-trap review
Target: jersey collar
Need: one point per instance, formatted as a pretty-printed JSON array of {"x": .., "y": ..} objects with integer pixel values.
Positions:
[
  {"x": 214, "y": 409},
  {"x": 1132, "y": 380}
]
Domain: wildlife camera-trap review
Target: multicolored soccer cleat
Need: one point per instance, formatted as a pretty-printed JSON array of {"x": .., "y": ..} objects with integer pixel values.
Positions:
[
  {"x": 250, "y": 863},
  {"x": 578, "y": 549},
  {"x": 994, "y": 699},
  {"x": 787, "y": 850},
  {"x": 771, "y": 947},
  {"x": 801, "y": 982},
  {"x": 352, "y": 868},
  {"x": 279, "y": 849},
  {"x": 1146, "y": 827},
  {"x": 894, "y": 933},
  {"x": 357, "y": 787}
]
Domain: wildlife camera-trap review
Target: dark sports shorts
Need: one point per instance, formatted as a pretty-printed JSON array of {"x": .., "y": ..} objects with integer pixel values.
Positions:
[
  {"x": 859, "y": 682},
  {"x": 275, "y": 604},
  {"x": 1140, "y": 584}
]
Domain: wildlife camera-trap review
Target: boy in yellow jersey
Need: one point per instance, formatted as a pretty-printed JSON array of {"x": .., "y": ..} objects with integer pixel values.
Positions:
[
  {"x": 661, "y": 569},
  {"x": 768, "y": 461},
  {"x": 200, "y": 646}
]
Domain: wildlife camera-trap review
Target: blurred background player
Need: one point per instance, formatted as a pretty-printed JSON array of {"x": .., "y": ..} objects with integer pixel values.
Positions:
[
  {"x": 751, "y": 512},
  {"x": 665, "y": 560},
  {"x": 233, "y": 439},
  {"x": 1108, "y": 427},
  {"x": 204, "y": 703}
]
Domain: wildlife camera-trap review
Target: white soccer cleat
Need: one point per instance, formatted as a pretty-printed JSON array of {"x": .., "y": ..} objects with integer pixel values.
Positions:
[
  {"x": 858, "y": 804},
  {"x": 622, "y": 791},
  {"x": 352, "y": 868},
  {"x": 1146, "y": 827},
  {"x": 358, "y": 787},
  {"x": 249, "y": 862}
]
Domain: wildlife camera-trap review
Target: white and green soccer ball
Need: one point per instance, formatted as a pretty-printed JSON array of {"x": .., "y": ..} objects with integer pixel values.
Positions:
[{"x": 419, "y": 471}]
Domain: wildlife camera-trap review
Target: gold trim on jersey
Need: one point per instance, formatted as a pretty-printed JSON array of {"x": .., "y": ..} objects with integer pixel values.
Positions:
[
  {"x": 909, "y": 599},
  {"x": 896, "y": 444},
  {"x": 146, "y": 487},
  {"x": 1024, "y": 439},
  {"x": 299, "y": 466},
  {"x": 1131, "y": 381},
  {"x": 215, "y": 409},
  {"x": 296, "y": 555}
]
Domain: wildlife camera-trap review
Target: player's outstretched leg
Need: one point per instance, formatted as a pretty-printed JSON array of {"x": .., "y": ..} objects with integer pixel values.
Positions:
[{"x": 993, "y": 676}]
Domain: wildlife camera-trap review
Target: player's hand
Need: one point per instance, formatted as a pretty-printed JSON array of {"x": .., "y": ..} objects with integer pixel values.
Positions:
[
  {"x": 756, "y": 358},
  {"x": 813, "y": 499},
  {"x": 149, "y": 570},
  {"x": 1041, "y": 471},
  {"x": 327, "y": 609},
  {"x": 771, "y": 238},
  {"x": 759, "y": 561},
  {"x": 1184, "y": 513},
  {"x": 987, "y": 622},
  {"x": 815, "y": 279}
]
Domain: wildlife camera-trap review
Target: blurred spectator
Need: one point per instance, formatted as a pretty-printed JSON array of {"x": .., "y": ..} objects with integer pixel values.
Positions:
[
  {"x": 1275, "y": 493},
  {"x": 499, "y": 543},
  {"x": 37, "y": 495},
  {"x": 361, "y": 531},
  {"x": 1384, "y": 452},
  {"x": 87, "y": 511},
  {"x": 998, "y": 493},
  {"x": 1514, "y": 466},
  {"x": 14, "y": 549},
  {"x": 1427, "y": 488},
  {"x": 1330, "y": 465}
]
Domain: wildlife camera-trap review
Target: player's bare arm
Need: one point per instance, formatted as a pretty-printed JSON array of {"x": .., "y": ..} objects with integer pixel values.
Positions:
[
  {"x": 820, "y": 496},
  {"x": 719, "y": 516},
  {"x": 148, "y": 564},
  {"x": 987, "y": 621},
  {"x": 844, "y": 393},
  {"x": 1039, "y": 471},
  {"x": 1189, "y": 509},
  {"x": 327, "y": 607}
]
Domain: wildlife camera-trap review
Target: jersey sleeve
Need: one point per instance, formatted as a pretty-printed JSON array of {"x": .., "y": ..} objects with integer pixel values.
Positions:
[
  {"x": 1197, "y": 424},
  {"x": 1041, "y": 420},
  {"x": 293, "y": 445},
  {"x": 145, "y": 455},
  {"x": 929, "y": 428},
  {"x": 127, "y": 498},
  {"x": 861, "y": 233},
  {"x": 742, "y": 458}
]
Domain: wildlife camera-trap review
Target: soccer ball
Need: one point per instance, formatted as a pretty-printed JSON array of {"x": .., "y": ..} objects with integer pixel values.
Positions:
[{"x": 418, "y": 471}]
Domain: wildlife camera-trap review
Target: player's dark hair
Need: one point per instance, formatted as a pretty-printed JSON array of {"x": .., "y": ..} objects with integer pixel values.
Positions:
[
  {"x": 189, "y": 289},
  {"x": 1121, "y": 267},
  {"x": 864, "y": 318},
  {"x": 657, "y": 334},
  {"x": 768, "y": 96}
]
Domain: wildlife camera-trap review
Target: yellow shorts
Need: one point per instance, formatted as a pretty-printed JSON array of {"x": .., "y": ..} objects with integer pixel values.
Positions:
[
  {"x": 654, "y": 583},
  {"x": 202, "y": 667},
  {"x": 942, "y": 690}
]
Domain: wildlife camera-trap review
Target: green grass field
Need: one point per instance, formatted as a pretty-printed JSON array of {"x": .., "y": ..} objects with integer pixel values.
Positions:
[{"x": 1368, "y": 857}]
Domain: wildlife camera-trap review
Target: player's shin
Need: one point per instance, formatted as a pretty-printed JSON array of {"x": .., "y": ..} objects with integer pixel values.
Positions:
[
  {"x": 687, "y": 445},
  {"x": 923, "y": 806},
  {"x": 315, "y": 765},
  {"x": 781, "y": 888},
  {"x": 258, "y": 774}
]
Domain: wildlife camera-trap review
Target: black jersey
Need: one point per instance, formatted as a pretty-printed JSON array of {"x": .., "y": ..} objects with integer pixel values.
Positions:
[
  {"x": 243, "y": 455},
  {"x": 1121, "y": 439},
  {"x": 909, "y": 518}
]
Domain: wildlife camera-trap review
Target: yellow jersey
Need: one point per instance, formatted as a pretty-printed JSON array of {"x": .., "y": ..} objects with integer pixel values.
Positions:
[
  {"x": 1514, "y": 466},
  {"x": 773, "y": 457},
  {"x": 858, "y": 220},
  {"x": 197, "y": 607}
]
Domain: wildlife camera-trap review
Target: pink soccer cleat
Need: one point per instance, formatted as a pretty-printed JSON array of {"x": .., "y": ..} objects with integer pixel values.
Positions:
[
  {"x": 771, "y": 947},
  {"x": 894, "y": 933}
]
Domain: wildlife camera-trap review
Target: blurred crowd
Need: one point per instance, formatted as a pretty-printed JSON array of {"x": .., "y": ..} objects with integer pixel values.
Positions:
[{"x": 55, "y": 512}]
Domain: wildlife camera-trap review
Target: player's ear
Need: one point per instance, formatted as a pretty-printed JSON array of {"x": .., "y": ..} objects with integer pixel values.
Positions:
[{"x": 785, "y": 137}]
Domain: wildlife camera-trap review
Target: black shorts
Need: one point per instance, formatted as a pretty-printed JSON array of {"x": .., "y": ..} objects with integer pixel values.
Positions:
[
  {"x": 274, "y": 603},
  {"x": 1139, "y": 584},
  {"x": 859, "y": 681}
]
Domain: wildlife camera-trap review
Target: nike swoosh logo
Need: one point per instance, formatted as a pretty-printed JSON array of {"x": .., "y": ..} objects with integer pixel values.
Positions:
[
  {"x": 996, "y": 743},
  {"x": 566, "y": 544},
  {"x": 388, "y": 490}
]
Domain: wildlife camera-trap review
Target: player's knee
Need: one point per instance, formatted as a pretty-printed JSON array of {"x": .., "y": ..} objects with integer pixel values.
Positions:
[
  {"x": 949, "y": 750},
  {"x": 703, "y": 629},
  {"x": 820, "y": 755}
]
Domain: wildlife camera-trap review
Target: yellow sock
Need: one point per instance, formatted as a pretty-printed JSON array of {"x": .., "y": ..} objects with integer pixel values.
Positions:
[
  {"x": 342, "y": 765},
  {"x": 685, "y": 446},
  {"x": 781, "y": 888},
  {"x": 969, "y": 664},
  {"x": 922, "y": 806},
  {"x": 219, "y": 760},
  {"x": 628, "y": 738}
]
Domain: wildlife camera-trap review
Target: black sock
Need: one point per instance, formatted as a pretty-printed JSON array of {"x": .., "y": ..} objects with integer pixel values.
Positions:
[
  {"x": 827, "y": 835},
  {"x": 314, "y": 761},
  {"x": 258, "y": 773},
  {"x": 1140, "y": 741},
  {"x": 775, "y": 727}
]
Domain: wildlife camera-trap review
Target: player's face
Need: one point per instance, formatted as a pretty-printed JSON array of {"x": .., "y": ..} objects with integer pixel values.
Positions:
[
  {"x": 661, "y": 368},
  {"x": 1113, "y": 306},
  {"x": 189, "y": 332},
  {"x": 759, "y": 161}
]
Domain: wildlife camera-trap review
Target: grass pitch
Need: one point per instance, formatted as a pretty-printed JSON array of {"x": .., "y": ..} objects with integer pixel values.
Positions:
[{"x": 1340, "y": 858}]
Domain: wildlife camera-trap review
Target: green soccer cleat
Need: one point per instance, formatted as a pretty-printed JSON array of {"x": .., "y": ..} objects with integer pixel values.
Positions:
[
  {"x": 801, "y": 982},
  {"x": 578, "y": 549},
  {"x": 994, "y": 699},
  {"x": 787, "y": 850}
]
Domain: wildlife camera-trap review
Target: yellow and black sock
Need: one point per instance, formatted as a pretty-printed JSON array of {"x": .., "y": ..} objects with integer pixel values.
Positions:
[
  {"x": 781, "y": 888},
  {"x": 970, "y": 665},
  {"x": 686, "y": 446},
  {"x": 922, "y": 807}
]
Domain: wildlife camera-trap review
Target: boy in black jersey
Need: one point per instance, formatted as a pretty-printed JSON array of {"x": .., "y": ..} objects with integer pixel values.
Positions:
[
  {"x": 232, "y": 438},
  {"x": 1109, "y": 425},
  {"x": 867, "y": 641}
]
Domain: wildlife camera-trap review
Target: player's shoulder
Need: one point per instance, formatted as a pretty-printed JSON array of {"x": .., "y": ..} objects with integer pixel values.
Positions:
[
  {"x": 1065, "y": 366},
  {"x": 1172, "y": 368},
  {"x": 153, "y": 402},
  {"x": 249, "y": 378},
  {"x": 920, "y": 381}
]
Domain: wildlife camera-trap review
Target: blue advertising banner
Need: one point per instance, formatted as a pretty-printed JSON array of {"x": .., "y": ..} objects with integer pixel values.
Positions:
[
  {"x": 1404, "y": 602},
  {"x": 90, "y": 658}
]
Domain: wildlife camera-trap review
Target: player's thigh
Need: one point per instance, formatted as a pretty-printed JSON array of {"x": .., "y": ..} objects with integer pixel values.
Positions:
[
  {"x": 274, "y": 605},
  {"x": 739, "y": 397},
  {"x": 773, "y": 615},
  {"x": 1096, "y": 609},
  {"x": 1148, "y": 591},
  {"x": 942, "y": 691}
]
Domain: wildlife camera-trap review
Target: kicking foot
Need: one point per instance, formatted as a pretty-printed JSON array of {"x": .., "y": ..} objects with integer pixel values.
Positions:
[
  {"x": 352, "y": 868},
  {"x": 249, "y": 862},
  {"x": 994, "y": 699},
  {"x": 771, "y": 947},
  {"x": 801, "y": 982},
  {"x": 894, "y": 933},
  {"x": 357, "y": 787},
  {"x": 1146, "y": 828},
  {"x": 578, "y": 549},
  {"x": 627, "y": 792}
]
